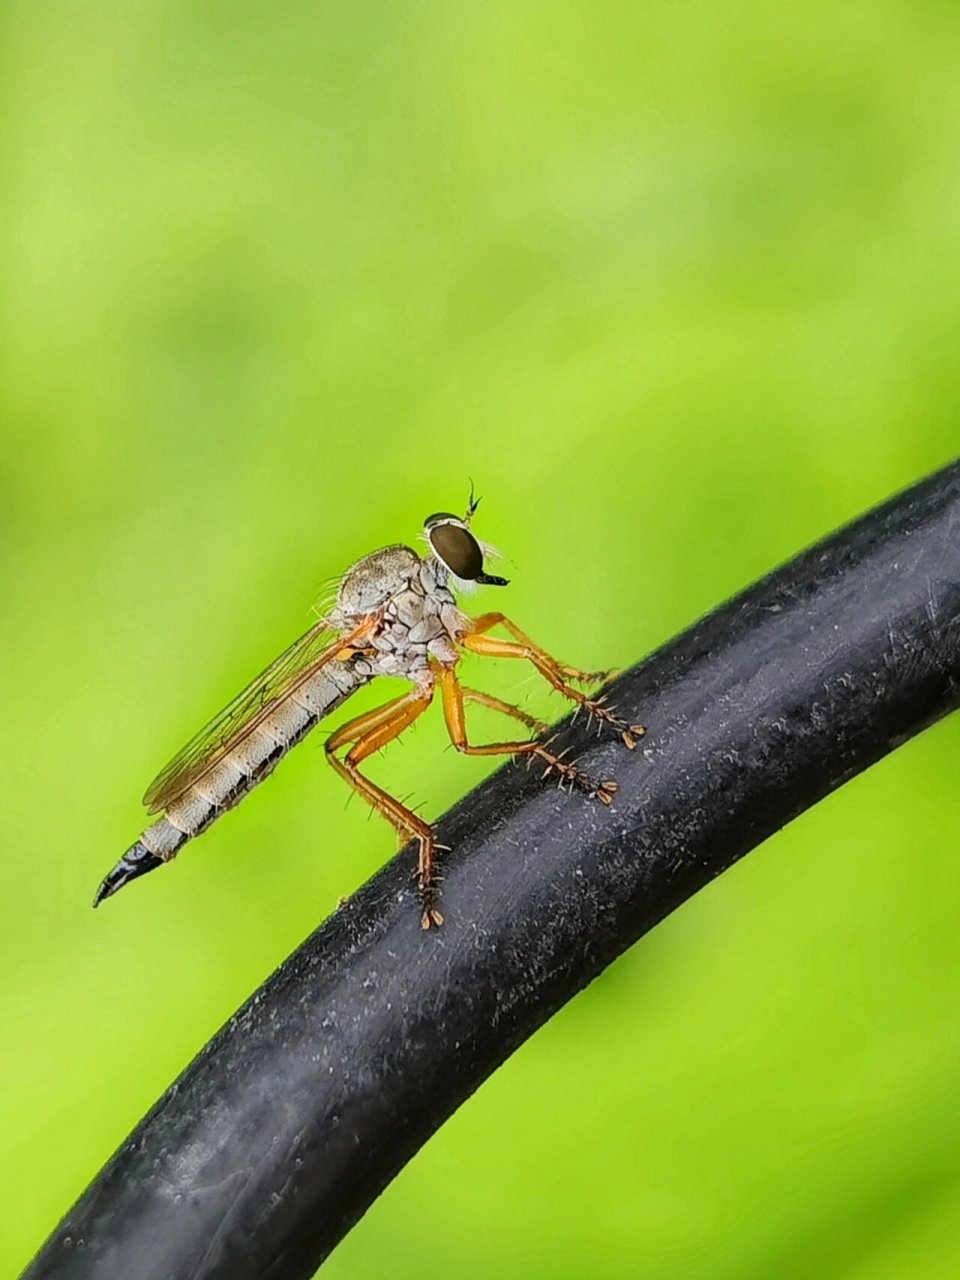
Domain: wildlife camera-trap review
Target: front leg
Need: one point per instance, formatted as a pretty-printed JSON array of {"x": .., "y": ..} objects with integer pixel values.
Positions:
[{"x": 476, "y": 641}]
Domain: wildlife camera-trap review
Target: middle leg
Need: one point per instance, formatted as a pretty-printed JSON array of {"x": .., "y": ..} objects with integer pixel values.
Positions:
[
  {"x": 539, "y": 727},
  {"x": 454, "y": 713}
]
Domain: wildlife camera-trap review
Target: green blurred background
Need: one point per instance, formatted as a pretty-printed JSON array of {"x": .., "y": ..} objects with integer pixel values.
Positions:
[{"x": 679, "y": 285}]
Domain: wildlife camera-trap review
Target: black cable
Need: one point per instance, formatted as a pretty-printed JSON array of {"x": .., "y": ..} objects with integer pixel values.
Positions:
[{"x": 279, "y": 1135}]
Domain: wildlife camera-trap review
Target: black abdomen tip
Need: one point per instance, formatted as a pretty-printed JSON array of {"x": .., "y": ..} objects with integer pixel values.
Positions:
[{"x": 137, "y": 861}]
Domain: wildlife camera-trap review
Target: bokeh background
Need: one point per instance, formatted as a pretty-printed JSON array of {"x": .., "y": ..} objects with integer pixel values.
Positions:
[{"x": 678, "y": 284}]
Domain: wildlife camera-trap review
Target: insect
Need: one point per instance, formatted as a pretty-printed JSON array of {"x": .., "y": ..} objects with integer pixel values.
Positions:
[{"x": 395, "y": 614}]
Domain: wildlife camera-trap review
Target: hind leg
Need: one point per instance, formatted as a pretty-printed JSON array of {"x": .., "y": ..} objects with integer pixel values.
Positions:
[{"x": 368, "y": 733}]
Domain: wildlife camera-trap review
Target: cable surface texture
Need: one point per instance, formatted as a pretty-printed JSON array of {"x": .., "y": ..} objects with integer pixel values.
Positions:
[{"x": 283, "y": 1130}]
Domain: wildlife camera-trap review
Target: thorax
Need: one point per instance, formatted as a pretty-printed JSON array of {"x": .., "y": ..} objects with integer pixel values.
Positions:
[{"x": 420, "y": 616}]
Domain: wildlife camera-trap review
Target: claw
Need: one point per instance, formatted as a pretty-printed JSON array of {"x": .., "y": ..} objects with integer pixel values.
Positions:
[{"x": 606, "y": 791}]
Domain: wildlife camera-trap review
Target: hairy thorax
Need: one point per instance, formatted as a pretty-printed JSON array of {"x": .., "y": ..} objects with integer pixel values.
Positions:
[{"x": 420, "y": 618}]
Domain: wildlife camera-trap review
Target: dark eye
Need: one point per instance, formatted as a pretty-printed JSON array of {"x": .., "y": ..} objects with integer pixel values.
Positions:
[{"x": 458, "y": 549}]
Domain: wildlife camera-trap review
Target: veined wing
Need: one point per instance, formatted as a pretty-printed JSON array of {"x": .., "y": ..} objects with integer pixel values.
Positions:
[{"x": 303, "y": 659}]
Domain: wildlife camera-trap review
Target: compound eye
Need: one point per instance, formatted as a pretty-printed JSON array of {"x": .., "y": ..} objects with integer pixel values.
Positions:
[{"x": 458, "y": 549}]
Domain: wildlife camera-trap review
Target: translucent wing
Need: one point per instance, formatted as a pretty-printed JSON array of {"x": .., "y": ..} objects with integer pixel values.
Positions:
[{"x": 304, "y": 657}]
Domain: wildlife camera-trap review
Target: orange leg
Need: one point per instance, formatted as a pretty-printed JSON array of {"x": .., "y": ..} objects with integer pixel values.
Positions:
[
  {"x": 555, "y": 672},
  {"x": 539, "y": 727},
  {"x": 455, "y": 716},
  {"x": 368, "y": 733}
]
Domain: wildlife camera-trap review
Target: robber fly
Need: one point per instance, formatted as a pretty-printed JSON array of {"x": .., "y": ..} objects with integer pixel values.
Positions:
[{"x": 395, "y": 614}]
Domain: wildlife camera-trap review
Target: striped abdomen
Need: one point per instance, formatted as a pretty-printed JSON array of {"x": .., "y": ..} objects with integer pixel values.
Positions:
[{"x": 249, "y": 760}]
